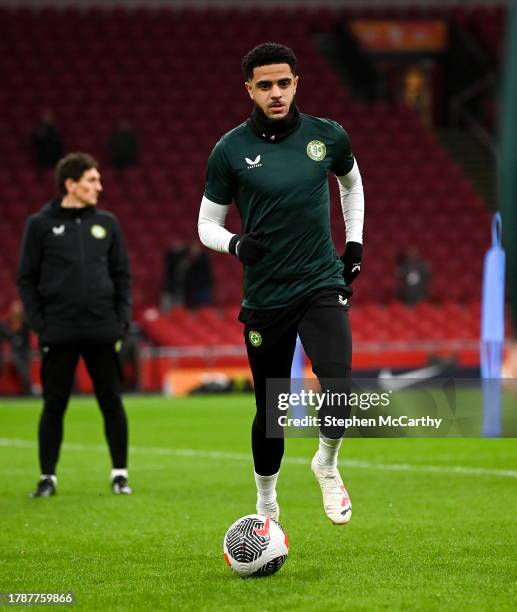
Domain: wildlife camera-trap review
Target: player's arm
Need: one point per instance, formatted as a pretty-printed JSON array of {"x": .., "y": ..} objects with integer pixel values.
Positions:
[
  {"x": 352, "y": 204},
  {"x": 28, "y": 275},
  {"x": 219, "y": 191},
  {"x": 118, "y": 263},
  {"x": 210, "y": 226},
  {"x": 351, "y": 193},
  {"x": 212, "y": 233}
]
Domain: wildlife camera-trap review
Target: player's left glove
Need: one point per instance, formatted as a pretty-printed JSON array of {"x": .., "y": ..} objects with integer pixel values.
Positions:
[{"x": 352, "y": 258}]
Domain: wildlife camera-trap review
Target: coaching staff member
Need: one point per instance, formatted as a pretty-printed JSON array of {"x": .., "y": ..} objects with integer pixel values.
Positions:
[{"x": 74, "y": 281}]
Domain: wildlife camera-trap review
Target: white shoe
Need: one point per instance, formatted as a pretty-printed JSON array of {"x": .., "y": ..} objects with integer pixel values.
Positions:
[
  {"x": 336, "y": 501},
  {"x": 120, "y": 486},
  {"x": 273, "y": 511}
]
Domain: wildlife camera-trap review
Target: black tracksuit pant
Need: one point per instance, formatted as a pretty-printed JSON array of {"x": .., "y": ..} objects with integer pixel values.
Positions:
[
  {"x": 57, "y": 374},
  {"x": 321, "y": 320}
]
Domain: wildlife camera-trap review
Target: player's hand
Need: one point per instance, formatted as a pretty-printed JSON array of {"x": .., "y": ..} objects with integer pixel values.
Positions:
[
  {"x": 248, "y": 247},
  {"x": 352, "y": 258}
]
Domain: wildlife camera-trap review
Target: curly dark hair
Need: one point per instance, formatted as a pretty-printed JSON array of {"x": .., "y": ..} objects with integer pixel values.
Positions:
[
  {"x": 266, "y": 54},
  {"x": 73, "y": 166}
]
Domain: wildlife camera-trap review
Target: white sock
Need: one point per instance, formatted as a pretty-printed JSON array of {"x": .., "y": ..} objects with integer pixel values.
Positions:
[
  {"x": 118, "y": 472},
  {"x": 266, "y": 489},
  {"x": 328, "y": 451},
  {"x": 53, "y": 477}
]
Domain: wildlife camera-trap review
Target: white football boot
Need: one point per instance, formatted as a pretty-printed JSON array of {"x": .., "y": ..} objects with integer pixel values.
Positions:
[
  {"x": 336, "y": 501},
  {"x": 271, "y": 510},
  {"x": 120, "y": 486}
]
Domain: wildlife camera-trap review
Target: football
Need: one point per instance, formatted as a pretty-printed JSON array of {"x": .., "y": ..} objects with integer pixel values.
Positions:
[{"x": 255, "y": 545}]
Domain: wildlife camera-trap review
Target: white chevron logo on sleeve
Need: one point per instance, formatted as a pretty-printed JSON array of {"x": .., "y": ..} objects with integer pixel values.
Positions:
[{"x": 253, "y": 162}]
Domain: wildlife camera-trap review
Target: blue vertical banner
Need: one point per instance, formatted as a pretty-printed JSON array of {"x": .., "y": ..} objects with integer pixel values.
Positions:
[
  {"x": 297, "y": 377},
  {"x": 492, "y": 331}
]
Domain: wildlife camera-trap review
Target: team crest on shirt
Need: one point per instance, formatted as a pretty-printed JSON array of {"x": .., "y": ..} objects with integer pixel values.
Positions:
[
  {"x": 316, "y": 150},
  {"x": 98, "y": 232},
  {"x": 255, "y": 338}
]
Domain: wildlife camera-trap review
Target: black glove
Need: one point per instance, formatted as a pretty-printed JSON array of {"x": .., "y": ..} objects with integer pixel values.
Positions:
[
  {"x": 248, "y": 248},
  {"x": 351, "y": 259}
]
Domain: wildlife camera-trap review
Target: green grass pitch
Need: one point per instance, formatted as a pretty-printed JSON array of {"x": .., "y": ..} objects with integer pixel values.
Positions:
[{"x": 434, "y": 524}]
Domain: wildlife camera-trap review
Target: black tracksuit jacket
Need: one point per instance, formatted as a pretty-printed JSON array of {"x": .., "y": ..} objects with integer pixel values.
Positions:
[{"x": 73, "y": 276}]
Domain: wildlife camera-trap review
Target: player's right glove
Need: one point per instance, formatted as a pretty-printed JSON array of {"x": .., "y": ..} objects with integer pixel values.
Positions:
[
  {"x": 352, "y": 258},
  {"x": 248, "y": 248}
]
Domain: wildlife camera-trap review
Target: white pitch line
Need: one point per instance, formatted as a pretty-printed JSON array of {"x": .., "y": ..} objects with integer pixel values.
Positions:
[{"x": 201, "y": 454}]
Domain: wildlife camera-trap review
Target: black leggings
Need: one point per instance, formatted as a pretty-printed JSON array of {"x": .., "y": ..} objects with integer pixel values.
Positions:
[
  {"x": 57, "y": 375},
  {"x": 321, "y": 320}
]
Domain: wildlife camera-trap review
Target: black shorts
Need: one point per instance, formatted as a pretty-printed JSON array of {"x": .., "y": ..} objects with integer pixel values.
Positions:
[
  {"x": 266, "y": 329},
  {"x": 321, "y": 320}
]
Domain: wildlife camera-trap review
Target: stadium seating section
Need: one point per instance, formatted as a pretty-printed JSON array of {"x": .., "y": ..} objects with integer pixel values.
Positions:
[
  {"x": 371, "y": 322},
  {"x": 176, "y": 76}
]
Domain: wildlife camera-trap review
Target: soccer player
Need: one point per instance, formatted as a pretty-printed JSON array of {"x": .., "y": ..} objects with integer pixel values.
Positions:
[
  {"x": 275, "y": 166},
  {"x": 74, "y": 281}
]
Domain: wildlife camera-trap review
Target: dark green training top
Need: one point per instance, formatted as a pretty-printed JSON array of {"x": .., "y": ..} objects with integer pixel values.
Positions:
[{"x": 282, "y": 189}]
